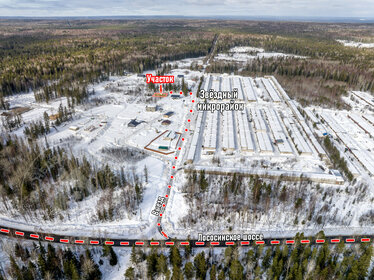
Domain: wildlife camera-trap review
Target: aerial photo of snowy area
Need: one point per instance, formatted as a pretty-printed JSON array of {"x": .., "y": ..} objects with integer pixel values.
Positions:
[{"x": 233, "y": 142}]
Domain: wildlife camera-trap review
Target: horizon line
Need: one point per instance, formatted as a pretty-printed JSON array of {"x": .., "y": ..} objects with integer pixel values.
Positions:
[{"x": 340, "y": 19}]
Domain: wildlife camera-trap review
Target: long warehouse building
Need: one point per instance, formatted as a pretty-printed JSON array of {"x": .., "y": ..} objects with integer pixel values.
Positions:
[
  {"x": 246, "y": 143},
  {"x": 270, "y": 90},
  {"x": 195, "y": 138},
  {"x": 249, "y": 89},
  {"x": 280, "y": 138}
]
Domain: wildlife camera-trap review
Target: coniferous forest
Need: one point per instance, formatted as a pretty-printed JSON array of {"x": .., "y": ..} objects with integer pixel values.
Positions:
[{"x": 294, "y": 262}]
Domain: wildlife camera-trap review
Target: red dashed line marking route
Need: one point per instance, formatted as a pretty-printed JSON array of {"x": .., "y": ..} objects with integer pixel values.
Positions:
[
  {"x": 333, "y": 240},
  {"x": 172, "y": 171}
]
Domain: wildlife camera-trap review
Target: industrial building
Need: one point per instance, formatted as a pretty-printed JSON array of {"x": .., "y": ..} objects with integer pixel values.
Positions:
[
  {"x": 74, "y": 128},
  {"x": 168, "y": 114},
  {"x": 133, "y": 123},
  {"x": 151, "y": 108},
  {"x": 171, "y": 135},
  {"x": 166, "y": 122}
]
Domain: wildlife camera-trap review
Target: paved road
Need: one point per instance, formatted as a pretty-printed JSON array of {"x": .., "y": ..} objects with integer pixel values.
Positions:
[{"x": 49, "y": 237}]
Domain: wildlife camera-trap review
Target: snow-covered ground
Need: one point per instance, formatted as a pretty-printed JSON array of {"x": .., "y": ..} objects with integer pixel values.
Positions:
[
  {"x": 356, "y": 44},
  {"x": 244, "y": 54},
  {"x": 103, "y": 124},
  {"x": 334, "y": 209},
  {"x": 245, "y": 49}
]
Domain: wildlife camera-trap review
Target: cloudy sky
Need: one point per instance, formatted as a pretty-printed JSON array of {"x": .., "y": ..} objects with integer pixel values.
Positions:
[{"x": 296, "y": 8}]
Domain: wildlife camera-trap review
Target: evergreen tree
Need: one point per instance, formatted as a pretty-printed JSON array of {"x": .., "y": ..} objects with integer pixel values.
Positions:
[
  {"x": 189, "y": 270},
  {"x": 130, "y": 273},
  {"x": 42, "y": 264},
  {"x": 236, "y": 270},
  {"x": 162, "y": 265},
  {"x": 113, "y": 257},
  {"x": 203, "y": 181},
  {"x": 200, "y": 266},
  {"x": 177, "y": 273},
  {"x": 14, "y": 268},
  {"x": 175, "y": 257},
  {"x": 46, "y": 121},
  {"x": 221, "y": 275},
  {"x": 213, "y": 272},
  {"x": 134, "y": 256},
  {"x": 267, "y": 259},
  {"x": 152, "y": 264}
]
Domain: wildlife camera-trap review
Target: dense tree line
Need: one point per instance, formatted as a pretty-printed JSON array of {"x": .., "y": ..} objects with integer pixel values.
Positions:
[
  {"x": 63, "y": 66},
  {"x": 175, "y": 87},
  {"x": 11, "y": 121},
  {"x": 297, "y": 262},
  {"x": 56, "y": 66},
  {"x": 327, "y": 72},
  {"x": 222, "y": 67},
  {"x": 236, "y": 200},
  {"x": 77, "y": 94},
  {"x": 38, "y": 128},
  {"x": 51, "y": 263},
  {"x": 29, "y": 171},
  {"x": 344, "y": 73},
  {"x": 338, "y": 161}
]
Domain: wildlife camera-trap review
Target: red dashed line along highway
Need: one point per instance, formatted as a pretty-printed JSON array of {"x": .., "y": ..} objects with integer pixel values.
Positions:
[
  {"x": 19, "y": 234},
  {"x": 26, "y": 235}
]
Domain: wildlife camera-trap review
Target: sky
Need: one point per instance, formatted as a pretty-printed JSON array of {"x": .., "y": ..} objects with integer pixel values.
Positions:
[{"x": 250, "y": 8}]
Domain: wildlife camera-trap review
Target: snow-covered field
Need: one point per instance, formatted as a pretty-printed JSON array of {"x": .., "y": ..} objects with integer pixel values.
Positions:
[
  {"x": 244, "y": 54},
  {"x": 356, "y": 44}
]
